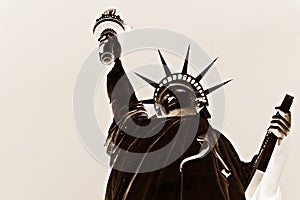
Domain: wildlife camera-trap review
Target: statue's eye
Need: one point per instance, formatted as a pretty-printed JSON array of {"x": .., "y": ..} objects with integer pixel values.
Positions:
[{"x": 171, "y": 99}]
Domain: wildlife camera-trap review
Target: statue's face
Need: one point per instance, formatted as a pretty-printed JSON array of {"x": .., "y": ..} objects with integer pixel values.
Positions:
[{"x": 178, "y": 100}]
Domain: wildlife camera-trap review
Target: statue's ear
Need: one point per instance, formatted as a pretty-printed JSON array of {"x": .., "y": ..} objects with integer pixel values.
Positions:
[{"x": 205, "y": 113}]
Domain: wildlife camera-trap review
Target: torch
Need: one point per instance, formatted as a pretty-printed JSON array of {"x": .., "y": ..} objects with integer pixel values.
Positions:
[{"x": 105, "y": 31}]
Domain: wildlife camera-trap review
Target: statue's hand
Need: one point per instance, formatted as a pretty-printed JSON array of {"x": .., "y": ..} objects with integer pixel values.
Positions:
[
  {"x": 280, "y": 125},
  {"x": 113, "y": 46},
  {"x": 109, "y": 48}
]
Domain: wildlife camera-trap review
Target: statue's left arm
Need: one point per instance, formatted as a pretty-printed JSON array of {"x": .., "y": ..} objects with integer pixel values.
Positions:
[{"x": 265, "y": 185}]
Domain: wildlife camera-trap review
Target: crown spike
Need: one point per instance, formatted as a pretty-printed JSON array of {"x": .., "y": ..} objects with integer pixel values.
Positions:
[
  {"x": 200, "y": 76},
  {"x": 167, "y": 70},
  {"x": 152, "y": 83},
  {"x": 186, "y": 61},
  {"x": 210, "y": 90}
]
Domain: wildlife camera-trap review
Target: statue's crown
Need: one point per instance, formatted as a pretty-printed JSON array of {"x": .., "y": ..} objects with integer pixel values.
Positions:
[{"x": 179, "y": 94}]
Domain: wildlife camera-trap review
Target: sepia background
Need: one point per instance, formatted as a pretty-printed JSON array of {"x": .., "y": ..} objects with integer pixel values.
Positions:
[{"x": 43, "y": 45}]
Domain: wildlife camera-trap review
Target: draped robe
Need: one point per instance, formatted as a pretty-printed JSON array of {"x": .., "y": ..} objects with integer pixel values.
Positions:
[{"x": 219, "y": 175}]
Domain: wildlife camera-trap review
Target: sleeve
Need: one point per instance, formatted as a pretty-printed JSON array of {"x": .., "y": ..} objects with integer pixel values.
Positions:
[
  {"x": 126, "y": 109},
  {"x": 121, "y": 94},
  {"x": 260, "y": 195},
  {"x": 268, "y": 185}
]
